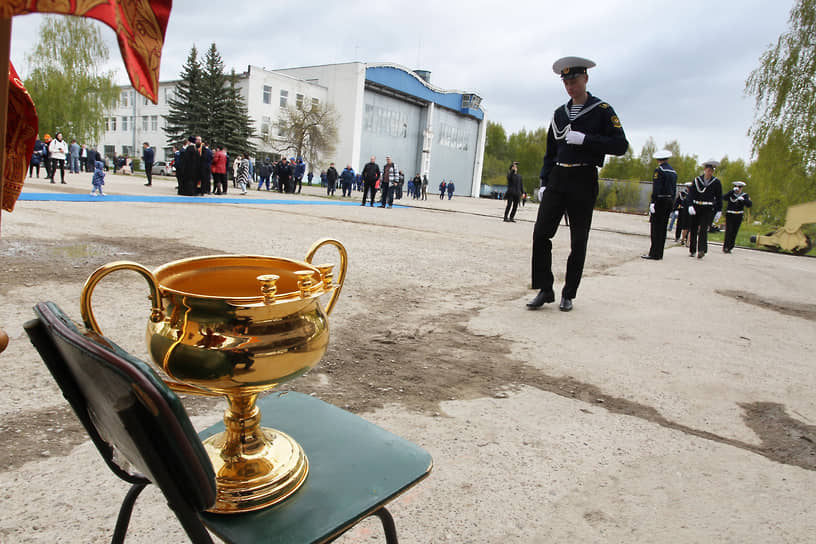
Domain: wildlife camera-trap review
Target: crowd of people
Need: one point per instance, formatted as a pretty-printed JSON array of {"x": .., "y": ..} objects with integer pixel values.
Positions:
[{"x": 55, "y": 154}]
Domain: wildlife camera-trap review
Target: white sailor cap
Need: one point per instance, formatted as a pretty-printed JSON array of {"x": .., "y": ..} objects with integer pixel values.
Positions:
[
  {"x": 712, "y": 163},
  {"x": 571, "y": 67},
  {"x": 738, "y": 183},
  {"x": 662, "y": 154}
]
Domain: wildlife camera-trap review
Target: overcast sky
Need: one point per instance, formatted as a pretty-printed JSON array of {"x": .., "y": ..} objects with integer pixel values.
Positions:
[{"x": 671, "y": 70}]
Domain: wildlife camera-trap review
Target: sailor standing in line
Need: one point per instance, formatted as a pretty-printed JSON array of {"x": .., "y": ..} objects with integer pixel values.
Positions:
[
  {"x": 681, "y": 209},
  {"x": 704, "y": 207},
  {"x": 581, "y": 133},
  {"x": 735, "y": 203},
  {"x": 664, "y": 187}
]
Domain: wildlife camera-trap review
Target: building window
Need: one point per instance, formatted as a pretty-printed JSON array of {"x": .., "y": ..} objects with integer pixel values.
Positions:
[
  {"x": 284, "y": 98},
  {"x": 165, "y": 93},
  {"x": 113, "y": 124},
  {"x": 315, "y": 102},
  {"x": 124, "y": 124},
  {"x": 267, "y": 94},
  {"x": 265, "y": 122},
  {"x": 123, "y": 99},
  {"x": 107, "y": 124},
  {"x": 110, "y": 150},
  {"x": 154, "y": 123},
  {"x": 145, "y": 120},
  {"x": 126, "y": 150},
  {"x": 381, "y": 120},
  {"x": 146, "y": 101},
  {"x": 299, "y": 101}
]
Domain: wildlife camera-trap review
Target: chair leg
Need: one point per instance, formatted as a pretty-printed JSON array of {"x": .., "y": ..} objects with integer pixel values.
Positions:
[
  {"x": 389, "y": 527},
  {"x": 123, "y": 520}
]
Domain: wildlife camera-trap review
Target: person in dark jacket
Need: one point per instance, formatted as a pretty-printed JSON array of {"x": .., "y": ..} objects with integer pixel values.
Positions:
[
  {"x": 206, "y": 155},
  {"x": 704, "y": 207},
  {"x": 148, "y": 156},
  {"x": 736, "y": 200},
  {"x": 190, "y": 174},
  {"x": 681, "y": 214},
  {"x": 36, "y": 157},
  {"x": 346, "y": 179},
  {"x": 299, "y": 172},
  {"x": 515, "y": 187},
  {"x": 284, "y": 172},
  {"x": 664, "y": 187},
  {"x": 331, "y": 179},
  {"x": 371, "y": 173},
  {"x": 583, "y": 131}
]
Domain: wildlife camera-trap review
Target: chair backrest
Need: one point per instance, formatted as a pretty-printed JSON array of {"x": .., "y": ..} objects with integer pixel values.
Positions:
[{"x": 125, "y": 407}]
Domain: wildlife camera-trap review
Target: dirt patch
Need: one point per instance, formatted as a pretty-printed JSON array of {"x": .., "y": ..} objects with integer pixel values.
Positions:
[
  {"x": 786, "y": 307},
  {"x": 24, "y": 259}
]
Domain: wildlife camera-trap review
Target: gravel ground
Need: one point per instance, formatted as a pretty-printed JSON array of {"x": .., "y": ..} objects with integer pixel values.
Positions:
[{"x": 673, "y": 404}]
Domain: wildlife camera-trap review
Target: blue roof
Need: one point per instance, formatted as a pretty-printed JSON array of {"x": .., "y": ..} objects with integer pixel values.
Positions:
[{"x": 409, "y": 83}]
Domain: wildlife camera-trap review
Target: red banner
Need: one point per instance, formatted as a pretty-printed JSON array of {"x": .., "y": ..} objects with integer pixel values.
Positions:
[
  {"x": 21, "y": 132},
  {"x": 139, "y": 24}
]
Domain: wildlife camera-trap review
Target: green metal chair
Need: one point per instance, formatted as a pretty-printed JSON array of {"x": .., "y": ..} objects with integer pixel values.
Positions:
[{"x": 356, "y": 468}]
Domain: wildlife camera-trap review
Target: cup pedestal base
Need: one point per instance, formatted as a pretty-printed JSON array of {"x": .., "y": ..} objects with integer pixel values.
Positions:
[{"x": 255, "y": 477}]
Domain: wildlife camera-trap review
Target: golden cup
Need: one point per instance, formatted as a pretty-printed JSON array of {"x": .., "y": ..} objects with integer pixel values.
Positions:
[{"x": 238, "y": 325}]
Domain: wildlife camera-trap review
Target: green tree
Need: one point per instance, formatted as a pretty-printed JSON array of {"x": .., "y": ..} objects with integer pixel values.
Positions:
[
  {"x": 188, "y": 112},
  {"x": 238, "y": 126},
  {"x": 778, "y": 178},
  {"x": 215, "y": 94},
  {"x": 70, "y": 89},
  {"x": 496, "y": 141},
  {"x": 784, "y": 86},
  {"x": 209, "y": 104}
]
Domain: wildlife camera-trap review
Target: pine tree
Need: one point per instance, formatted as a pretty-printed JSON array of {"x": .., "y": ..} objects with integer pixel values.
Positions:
[
  {"x": 188, "y": 111},
  {"x": 237, "y": 125},
  {"x": 215, "y": 95}
]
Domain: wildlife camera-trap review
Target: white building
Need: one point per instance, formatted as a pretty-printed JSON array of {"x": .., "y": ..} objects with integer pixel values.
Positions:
[{"x": 383, "y": 109}]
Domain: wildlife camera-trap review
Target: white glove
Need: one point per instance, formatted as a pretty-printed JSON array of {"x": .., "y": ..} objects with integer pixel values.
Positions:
[
  {"x": 575, "y": 138},
  {"x": 651, "y": 208},
  {"x": 541, "y": 192},
  {"x": 741, "y": 197},
  {"x": 717, "y": 216},
  {"x": 675, "y": 213},
  {"x": 692, "y": 211}
]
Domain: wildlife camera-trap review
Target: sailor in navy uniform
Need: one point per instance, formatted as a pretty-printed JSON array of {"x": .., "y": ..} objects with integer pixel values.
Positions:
[
  {"x": 680, "y": 208},
  {"x": 581, "y": 133},
  {"x": 664, "y": 187},
  {"x": 704, "y": 207},
  {"x": 736, "y": 200}
]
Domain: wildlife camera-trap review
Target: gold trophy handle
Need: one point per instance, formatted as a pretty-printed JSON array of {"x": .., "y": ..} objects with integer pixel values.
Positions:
[
  {"x": 343, "y": 266},
  {"x": 157, "y": 311}
]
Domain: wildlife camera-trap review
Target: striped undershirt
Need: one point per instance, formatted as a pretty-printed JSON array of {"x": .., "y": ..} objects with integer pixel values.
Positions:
[{"x": 574, "y": 110}]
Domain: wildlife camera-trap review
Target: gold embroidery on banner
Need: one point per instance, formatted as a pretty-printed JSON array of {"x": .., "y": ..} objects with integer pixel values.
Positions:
[
  {"x": 53, "y": 6},
  {"x": 145, "y": 38},
  {"x": 12, "y": 7},
  {"x": 84, "y": 6}
]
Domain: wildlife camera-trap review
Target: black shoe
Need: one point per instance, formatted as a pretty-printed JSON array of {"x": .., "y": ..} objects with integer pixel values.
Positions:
[
  {"x": 506, "y": 220},
  {"x": 148, "y": 185},
  {"x": 691, "y": 254},
  {"x": 649, "y": 257},
  {"x": 381, "y": 206},
  {"x": 566, "y": 304},
  {"x": 541, "y": 298},
  {"x": 700, "y": 255},
  {"x": 363, "y": 204},
  {"x": 512, "y": 220}
]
